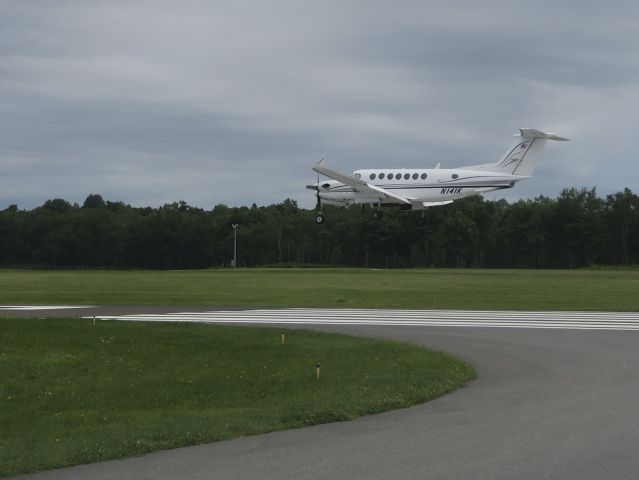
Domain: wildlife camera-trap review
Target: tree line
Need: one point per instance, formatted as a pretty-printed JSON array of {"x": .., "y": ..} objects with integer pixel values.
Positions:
[{"x": 576, "y": 229}]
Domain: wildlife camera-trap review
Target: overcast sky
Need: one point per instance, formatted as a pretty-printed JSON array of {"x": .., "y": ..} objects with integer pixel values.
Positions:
[{"x": 151, "y": 102}]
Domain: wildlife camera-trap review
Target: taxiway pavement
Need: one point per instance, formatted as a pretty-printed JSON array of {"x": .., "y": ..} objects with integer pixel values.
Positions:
[{"x": 551, "y": 401}]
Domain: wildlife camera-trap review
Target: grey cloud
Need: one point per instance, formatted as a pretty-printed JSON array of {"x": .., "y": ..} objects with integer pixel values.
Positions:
[{"x": 232, "y": 102}]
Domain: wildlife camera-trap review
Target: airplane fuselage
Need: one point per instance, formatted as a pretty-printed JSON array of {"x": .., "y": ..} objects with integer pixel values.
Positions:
[{"x": 420, "y": 185}]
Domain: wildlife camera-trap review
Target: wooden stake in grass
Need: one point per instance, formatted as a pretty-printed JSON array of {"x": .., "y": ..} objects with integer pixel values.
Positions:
[
  {"x": 317, "y": 370},
  {"x": 94, "y": 320},
  {"x": 283, "y": 337}
]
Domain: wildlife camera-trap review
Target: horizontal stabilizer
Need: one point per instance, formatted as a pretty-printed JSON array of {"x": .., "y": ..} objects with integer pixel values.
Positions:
[{"x": 534, "y": 133}]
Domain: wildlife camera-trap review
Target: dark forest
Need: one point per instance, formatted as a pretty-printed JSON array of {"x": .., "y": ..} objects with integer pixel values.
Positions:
[{"x": 576, "y": 229}]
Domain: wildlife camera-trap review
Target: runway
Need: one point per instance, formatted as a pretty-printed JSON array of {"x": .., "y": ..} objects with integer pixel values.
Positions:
[
  {"x": 557, "y": 397},
  {"x": 440, "y": 318}
]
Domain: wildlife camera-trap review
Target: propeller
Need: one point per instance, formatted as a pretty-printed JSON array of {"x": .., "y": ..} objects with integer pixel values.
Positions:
[
  {"x": 318, "y": 203},
  {"x": 316, "y": 187}
]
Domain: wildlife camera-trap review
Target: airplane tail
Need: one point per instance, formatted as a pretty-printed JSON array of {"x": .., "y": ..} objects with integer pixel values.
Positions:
[{"x": 522, "y": 156}]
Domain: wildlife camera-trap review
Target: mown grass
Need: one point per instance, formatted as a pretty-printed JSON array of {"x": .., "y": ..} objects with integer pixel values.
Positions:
[
  {"x": 71, "y": 392},
  {"x": 589, "y": 289}
]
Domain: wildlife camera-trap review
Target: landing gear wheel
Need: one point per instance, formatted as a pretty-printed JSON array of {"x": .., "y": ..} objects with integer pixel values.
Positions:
[
  {"x": 319, "y": 218},
  {"x": 376, "y": 215}
]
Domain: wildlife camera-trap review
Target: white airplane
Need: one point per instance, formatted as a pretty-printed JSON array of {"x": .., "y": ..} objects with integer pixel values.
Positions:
[{"x": 417, "y": 189}]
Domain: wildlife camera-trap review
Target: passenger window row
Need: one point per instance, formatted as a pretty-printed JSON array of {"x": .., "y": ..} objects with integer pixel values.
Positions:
[{"x": 397, "y": 176}]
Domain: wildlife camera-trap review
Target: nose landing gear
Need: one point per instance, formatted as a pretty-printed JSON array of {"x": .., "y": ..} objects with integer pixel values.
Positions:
[{"x": 319, "y": 218}]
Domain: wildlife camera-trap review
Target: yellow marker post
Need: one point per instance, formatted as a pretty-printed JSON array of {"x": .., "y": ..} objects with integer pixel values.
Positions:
[{"x": 317, "y": 370}]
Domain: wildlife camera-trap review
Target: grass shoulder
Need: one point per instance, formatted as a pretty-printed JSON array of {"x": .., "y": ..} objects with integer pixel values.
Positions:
[
  {"x": 588, "y": 289},
  {"x": 72, "y": 393}
]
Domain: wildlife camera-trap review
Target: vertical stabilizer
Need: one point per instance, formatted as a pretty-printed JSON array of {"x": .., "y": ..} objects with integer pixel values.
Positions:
[{"x": 523, "y": 155}]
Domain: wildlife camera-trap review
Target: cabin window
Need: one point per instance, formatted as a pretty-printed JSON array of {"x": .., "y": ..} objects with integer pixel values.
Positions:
[
  {"x": 454, "y": 176},
  {"x": 415, "y": 176},
  {"x": 424, "y": 176},
  {"x": 390, "y": 176},
  {"x": 381, "y": 176},
  {"x": 398, "y": 176},
  {"x": 406, "y": 176},
  {"x": 372, "y": 177},
  {"x": 357, "y": 176}
]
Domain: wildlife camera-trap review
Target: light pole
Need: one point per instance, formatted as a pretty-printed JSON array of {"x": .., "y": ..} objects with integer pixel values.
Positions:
[{"x": 234, "y": 225}]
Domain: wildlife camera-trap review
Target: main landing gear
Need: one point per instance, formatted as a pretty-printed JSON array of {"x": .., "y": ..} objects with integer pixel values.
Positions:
[
  {"x": 421, "y": 220},
  {"x": 319, "y": 218},
  {"x": 377, "y": 213}
]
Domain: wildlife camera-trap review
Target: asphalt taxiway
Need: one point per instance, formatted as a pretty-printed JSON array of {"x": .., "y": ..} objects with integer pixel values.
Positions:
[{"x": 558, "y": 398}]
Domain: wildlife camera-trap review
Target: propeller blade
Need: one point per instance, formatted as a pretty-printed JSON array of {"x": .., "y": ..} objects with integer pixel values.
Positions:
[{"x": 316, "y": 187}]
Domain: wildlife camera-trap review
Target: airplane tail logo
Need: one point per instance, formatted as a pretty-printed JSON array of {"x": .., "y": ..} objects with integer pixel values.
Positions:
[{"x": 513, "y": 159}]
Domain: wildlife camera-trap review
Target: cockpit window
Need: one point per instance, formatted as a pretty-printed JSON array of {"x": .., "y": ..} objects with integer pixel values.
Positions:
[
  {"x": 372, "y": 177},
  {"x": 357, "y": 176}
]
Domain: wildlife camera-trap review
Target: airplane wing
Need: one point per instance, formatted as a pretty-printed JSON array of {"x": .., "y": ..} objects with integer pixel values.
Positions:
[{"x": 361, "y": 186}]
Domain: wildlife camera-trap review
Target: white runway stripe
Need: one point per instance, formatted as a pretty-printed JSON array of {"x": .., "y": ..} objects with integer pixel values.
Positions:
[
  {"x": 442, "y": 318},
  {"x": 41, "y": 307}
]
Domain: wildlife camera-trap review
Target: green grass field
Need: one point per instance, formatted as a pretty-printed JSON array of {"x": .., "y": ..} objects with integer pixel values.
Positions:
[
  {"x": 606, "y": 289},
  {"x": 74, "y": 393}
]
